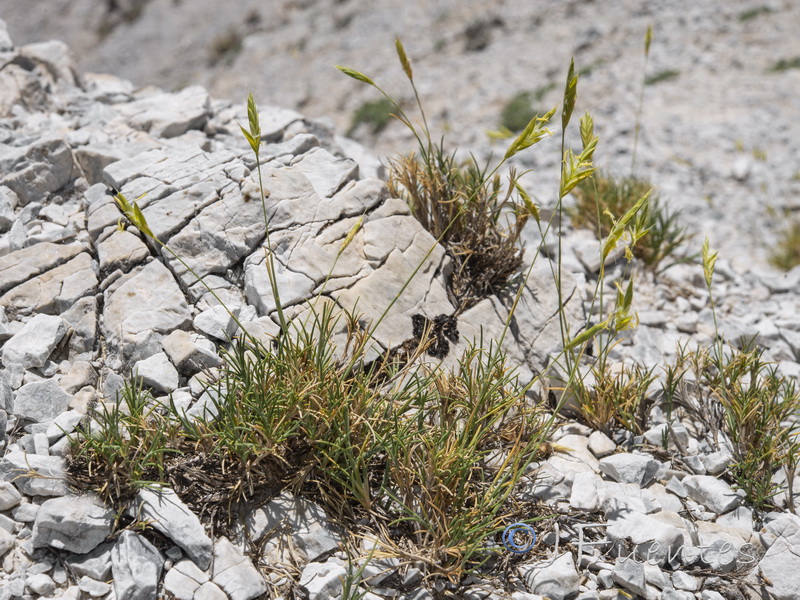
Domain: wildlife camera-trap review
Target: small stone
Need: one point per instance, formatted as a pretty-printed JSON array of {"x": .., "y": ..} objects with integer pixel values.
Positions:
[
  {"x": 81, "y": 373},
  {"x": 190, "y": 353},
  {"x": 695, "y": 463},
  {"x": 93, "y": 587},
  {"x": 46, "y": 479},
  {"x": 683, "y": 581},
  {"x": 600, "y": 444},
  {"x": 557, "y": 580},
  {"x": 716, "y": 462},
  {"x": 675, "y": 486},
  {"x": 165, "y": 511},
  {"x": 629, "y": 574},
  {"x": 712, "y": 493},
  {"x": 630, "y": 468},
  {"x": 95, "y": 564},
  {"x": 652, "y": 540},
  {"x": 41, "y": 445},
  {"x": 9, "y": 496},
  {"x": 26, "y": 512},
  {"x": 31, "y": 346},
  {"x": 63, "y": 424},
  {"x": 584, "y": 492},
  {"x": 322, "y": 580},
  {"x": 41, "y": 401},
  {"x": 6, "y": 541},
  {"x": 158, "y": 373},
  {"x": 42, "y": 584},
  {"x": 217, "y": 323}
]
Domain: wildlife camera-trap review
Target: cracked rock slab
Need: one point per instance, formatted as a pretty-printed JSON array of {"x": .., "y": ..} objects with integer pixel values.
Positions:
[
  {"x": 167, "y": 115},
  {"x": 326, "y": 172},
  {"x": 217, "y": 238},
  {"x": 56, "y": 290},
  {"x": 39, "y": 169},
  {"x": 183, "y": 579},
  {"x": 142, "y": 309},
  {"x": 23, "y": 265},
  {"x": 234, "y": 573},
  {"x": 121, "y": 250}
]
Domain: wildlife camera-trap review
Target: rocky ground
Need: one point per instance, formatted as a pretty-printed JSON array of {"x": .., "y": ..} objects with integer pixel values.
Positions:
[{"x": 84, "y": 303}]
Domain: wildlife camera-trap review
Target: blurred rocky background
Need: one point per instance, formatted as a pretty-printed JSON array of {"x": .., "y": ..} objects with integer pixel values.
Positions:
[{"x": 719, "y": 125}]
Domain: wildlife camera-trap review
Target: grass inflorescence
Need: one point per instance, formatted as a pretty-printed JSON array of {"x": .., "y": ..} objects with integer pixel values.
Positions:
[
  {"x": 603, "y": 199},
  {"x": 786, "y": 252}
]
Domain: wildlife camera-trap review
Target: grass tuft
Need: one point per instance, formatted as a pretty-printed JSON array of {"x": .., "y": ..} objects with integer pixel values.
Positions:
[
  {"x": 225, "y": 47},
  {"x": 603, "y": 199},
  {"x": 785, "y": 64},
  {"x": 786, "y": 254},
  {"x": 615, "y": 396},
  {"x": 376, "y": 114},
  {"x": 750, "y": 14},
  {"x": 518, "y": 112},
  {"x": 455, "y": 204},
  {"x": 661, "y": 76}
]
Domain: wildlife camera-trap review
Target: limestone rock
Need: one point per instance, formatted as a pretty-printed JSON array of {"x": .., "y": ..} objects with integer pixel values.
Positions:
[
  {"x": 168, "y": 115},
  {"x": 158, "y": 373},
  {"x": 630, "y": 468},
  {"x": 32, "y": 345},
  {"x": 165, "y": 511},
  {"x": 121, "y": 250},
  {"x": 136, "y": 566},
  {"x": 41, "y": 401},
  {"x": 38, "y": 170},
  {"x": 25, "y": 264},
  {"x": 712, "y": 492},
  {"x": 322, "y": 580},
  {"x": 140, "y": 311},
  {"x": 190, "y": 352},
  {"x": 234, "y": 573},
  {"x": 311, "y": 534},
  {"x": 56, "y": 290},
  {"x": 76, "y": 524},
  {"x": 557, "y": 580}
]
